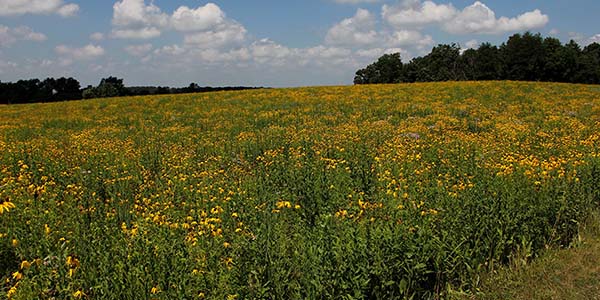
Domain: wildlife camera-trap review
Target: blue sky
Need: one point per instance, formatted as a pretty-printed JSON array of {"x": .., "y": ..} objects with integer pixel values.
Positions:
[{"x": 259, "y": 42}]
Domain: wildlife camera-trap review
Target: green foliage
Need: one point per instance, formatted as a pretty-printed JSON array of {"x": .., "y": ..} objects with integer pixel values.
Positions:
[
  {"x": 387, "y": 69},
  {"x": 524, "y": 57}
]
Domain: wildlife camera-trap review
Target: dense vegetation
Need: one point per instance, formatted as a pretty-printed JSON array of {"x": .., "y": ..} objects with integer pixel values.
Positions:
[
  {"x": 524, "y": 57},
  {"x": 362, "y": 192},
  {"x": 63, "y": 89}
]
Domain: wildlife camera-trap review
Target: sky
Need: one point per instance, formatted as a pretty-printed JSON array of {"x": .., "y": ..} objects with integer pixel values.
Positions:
[{"x": 260, "y": 42}]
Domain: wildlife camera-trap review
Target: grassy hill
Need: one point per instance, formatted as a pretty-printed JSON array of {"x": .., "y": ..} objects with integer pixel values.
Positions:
[{"x": 379, "y": 192}]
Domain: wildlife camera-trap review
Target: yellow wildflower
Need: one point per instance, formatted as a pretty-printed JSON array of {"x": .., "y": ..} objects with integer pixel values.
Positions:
[
  {"x": 6, "y": 206},
  {"x": 25, "y": 265},
  {"x": 11, "y": 292},
  {"x": 155, "y": 290},
  {"x": 79, "y": 294},
  {"x": 17, "y": 275}
]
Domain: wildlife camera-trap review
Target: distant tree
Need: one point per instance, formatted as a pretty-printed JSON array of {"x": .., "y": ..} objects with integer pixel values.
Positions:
[
  {"x": 488, "y": 65},
  {"x": 111, "y": 87},
  {"x": 193, "y": 87},
  {"x": 89, "y": 92},
  {"x": 572, "y": 62},
  {"x": 554, "y": 62},
  {"x": 163, "y": 90},
  {"x": 523, "y": 57},
  {"x": 387, "y": 69},
  {"x": 443, "y": 63},
  {"x": 590, "y": 64}
]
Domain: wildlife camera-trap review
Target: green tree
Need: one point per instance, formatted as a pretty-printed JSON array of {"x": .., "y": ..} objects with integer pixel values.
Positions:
[
  {"x": 387, "y": 69},
  {"x": 523, "y": 57}
]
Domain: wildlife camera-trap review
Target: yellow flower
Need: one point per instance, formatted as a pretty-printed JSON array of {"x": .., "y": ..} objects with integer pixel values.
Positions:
[
  {"x": 155, "y": 290},
  {"x": 17, "y": 275},
  {"x": 6, "y": 207},
  {"x": 79, "y": 294},
  {"x": 226, "y": 244},
  {"x": 11, "y": 292},
  {"x": 25, "y": 265}
]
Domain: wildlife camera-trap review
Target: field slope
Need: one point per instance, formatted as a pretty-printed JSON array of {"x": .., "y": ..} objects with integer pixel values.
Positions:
[{"x": 379, "y": 192}]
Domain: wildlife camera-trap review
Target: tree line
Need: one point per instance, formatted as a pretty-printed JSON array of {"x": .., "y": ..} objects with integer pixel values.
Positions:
[
  {"x": 524, "y": 57},
  {"x": 65, "y": 89}
]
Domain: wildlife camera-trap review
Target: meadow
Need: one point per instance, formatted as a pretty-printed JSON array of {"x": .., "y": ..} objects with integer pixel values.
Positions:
[{"x": 362, "y": 192}]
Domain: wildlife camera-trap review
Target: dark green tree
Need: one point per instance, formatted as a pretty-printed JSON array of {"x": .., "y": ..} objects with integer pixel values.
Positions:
[
  {"x": 523, "y": 57},
  {"x": 590, "y": 64},
  {"x": 442, "y": 64},
  {"x": 387, "y": 69}
]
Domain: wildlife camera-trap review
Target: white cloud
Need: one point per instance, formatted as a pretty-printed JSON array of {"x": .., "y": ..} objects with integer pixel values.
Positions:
[
  {"x": 266, "y": 50},
  {"x": 224, "y": 35},
  {"x": 21, "y": 7},
  {"x": 358, "y": 30},
  {"x": 478, "y": 18},
  {"x": 217, "y": 56},
  {"x": 68, "y": 10},
  {"x": 141, "y": 33},
  {"x": 473, "y": 19},
  {"x": 97, "y": 36},
  {"x": 138, "y": 50},
  {"x": 593, "y": 39},
  {"x": 202, "y": 18},
  {"x": 205, "y": 26},
  {"x": 9, "y": 36},
  {"x": 84, "y": 53},
  {"x": 471, "y": 44},
  {"x": 409, "y": 38},
  {"x": 415, "y": 13},
  {"x": 137, "y": 13},
  {"x": 375, "y": 53}
]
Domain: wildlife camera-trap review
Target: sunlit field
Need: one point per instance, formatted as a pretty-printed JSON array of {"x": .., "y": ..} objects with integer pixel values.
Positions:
[{"x": 363, "y": 192}]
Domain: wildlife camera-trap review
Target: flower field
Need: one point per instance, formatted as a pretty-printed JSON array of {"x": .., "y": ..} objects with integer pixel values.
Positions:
[{"x": 362, "y": 192}]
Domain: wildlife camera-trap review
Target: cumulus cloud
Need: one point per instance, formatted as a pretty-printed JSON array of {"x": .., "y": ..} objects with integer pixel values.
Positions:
[
  {"x": 84, "y": 53},
  {"x": 46, "y": 7},
  {"x": 205, "y": 26},
  {"x": 361, "y": 31},
  {"x": 357, "y": 30},
  {"x": 202, "y": 18},
  {"x": 9, "y": 36},
  {"x": 138, "y": 50},
  {"x": 224, "y": 35},
  {"x": 140, "y": 33},
  {"x": 593, "y": 39},
  {"x": 473, "y": 19},
  {"x": 409, "y": 38},
  {"x": 97, "y": 36},
  {"x": 413, "y": 12},
  {"x": 137, "y": 13},
  {"x": 471, "y": 44},
  {"x": 478, "y": 18}
]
